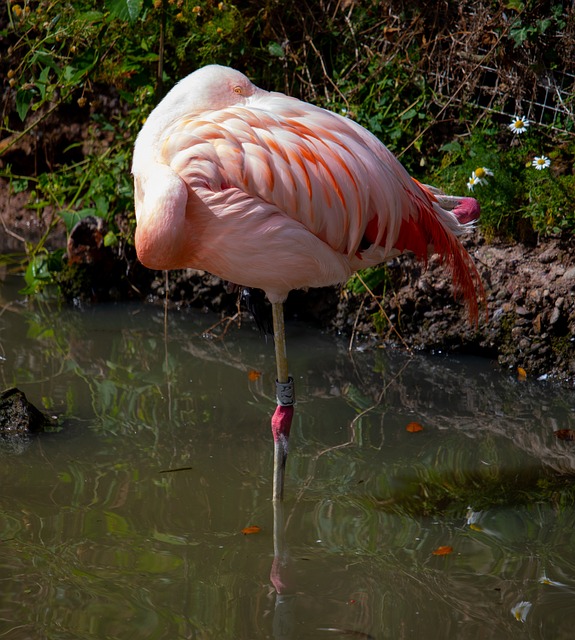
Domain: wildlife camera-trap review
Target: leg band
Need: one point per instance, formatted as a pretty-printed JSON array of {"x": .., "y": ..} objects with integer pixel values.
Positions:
[{"x": 285, "y": 393}]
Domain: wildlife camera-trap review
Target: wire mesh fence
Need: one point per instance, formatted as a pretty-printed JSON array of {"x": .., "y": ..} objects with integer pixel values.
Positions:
[{"x": 551, "y": 103}]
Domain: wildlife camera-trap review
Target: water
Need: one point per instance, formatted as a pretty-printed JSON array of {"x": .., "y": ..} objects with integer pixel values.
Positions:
[{"x": 127, "y": 523}]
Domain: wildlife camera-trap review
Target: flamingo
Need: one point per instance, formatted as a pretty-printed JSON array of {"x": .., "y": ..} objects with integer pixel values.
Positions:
[{"x": 267, "y": 191}]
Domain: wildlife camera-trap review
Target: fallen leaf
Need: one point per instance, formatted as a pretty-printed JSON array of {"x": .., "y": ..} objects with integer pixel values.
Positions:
[
  {"x": 443, "y": 551},
  {"x": 565, "y": 434},
  {"x": 250, "y": 530},
  {"x": 521, "y": 373},
  {"x": 254, "y": 375},
  {"x": 414, "y": 427}
]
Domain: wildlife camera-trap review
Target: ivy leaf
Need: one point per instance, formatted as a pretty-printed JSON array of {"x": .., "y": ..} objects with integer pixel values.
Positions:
[
  {"x": 23, "y": 102},
  {"x": 125, "y": 9},
  {"x": 71, "y": 218},
  {"x": 110, "y": 239},
  {"x": 275, "y": 49}
]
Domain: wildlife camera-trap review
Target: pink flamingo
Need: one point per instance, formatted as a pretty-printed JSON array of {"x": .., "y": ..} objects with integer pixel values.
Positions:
[{"x": 270, "y": 192}]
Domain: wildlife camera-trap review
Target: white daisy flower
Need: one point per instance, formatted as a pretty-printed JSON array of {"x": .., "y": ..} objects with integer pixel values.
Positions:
[
  {"x": 541, "y": 162},
  {"x": 472, "y": 182},
  {"x": 480, "y": 174},
  {"x": 519, "y": 124}
]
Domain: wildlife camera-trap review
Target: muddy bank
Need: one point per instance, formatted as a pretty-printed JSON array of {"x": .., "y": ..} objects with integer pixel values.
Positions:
[{"x": 530, "y": 294}]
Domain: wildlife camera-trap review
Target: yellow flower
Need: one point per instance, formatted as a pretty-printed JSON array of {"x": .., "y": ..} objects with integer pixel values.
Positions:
[{"x": 482, "y": 172}]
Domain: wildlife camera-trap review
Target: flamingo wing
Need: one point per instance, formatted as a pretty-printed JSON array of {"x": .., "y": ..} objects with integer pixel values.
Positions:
[{"x": 314, "y": 166}]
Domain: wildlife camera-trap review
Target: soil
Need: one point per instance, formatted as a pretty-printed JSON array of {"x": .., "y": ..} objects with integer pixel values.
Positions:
[{"x": 527, "y": 324}]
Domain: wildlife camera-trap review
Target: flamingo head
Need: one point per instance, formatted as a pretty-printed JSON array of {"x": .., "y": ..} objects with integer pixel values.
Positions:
[{"x": 467, "y": 211}]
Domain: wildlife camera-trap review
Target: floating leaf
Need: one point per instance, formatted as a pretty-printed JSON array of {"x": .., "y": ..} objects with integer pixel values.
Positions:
[
  {"x": 565, "y": 434},
  {"x": 443, "y": 551},
  {"x": 254, "y": 375},
  {"x": 521, "y": 373},
  {"x": 414, "y": 427},
  {"x": 250, "y": 530}
]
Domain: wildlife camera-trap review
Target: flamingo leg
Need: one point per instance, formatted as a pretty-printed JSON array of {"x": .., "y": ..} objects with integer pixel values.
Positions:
[{"x": 282, "y": 417}]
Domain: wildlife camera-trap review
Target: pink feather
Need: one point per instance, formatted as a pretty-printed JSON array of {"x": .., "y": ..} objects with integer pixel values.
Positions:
[{"x": 267, "y": 191}]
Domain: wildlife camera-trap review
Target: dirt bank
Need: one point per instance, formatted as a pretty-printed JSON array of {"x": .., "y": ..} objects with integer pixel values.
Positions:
[{"x": 530, "y": 294}]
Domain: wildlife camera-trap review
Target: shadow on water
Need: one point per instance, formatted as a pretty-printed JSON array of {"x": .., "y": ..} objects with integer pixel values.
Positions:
[{"x": 128, "y": 522}]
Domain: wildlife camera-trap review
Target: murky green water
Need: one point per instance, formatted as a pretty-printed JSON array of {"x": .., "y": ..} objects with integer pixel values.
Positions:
[{"x": 128, "y": 522}]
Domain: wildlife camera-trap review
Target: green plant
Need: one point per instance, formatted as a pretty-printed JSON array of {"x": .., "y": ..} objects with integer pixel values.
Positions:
[{"x": 517, "y": 196}]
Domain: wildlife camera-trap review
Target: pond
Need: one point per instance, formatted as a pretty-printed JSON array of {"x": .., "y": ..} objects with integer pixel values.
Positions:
[{"x": 426, "y": 496}]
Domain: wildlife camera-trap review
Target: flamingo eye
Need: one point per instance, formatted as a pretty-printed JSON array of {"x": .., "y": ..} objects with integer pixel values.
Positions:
[{"x": 238, "y": 90}]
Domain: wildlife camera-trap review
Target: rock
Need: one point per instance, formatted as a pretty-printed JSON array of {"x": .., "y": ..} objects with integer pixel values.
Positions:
[
  {"x": 86, "y": 242},
  {"x": 19, "y": 417},
  {"x": 555, "y": 315},
  {"x": 537, "y": 323},
  {"x": 549, "y": 255}
]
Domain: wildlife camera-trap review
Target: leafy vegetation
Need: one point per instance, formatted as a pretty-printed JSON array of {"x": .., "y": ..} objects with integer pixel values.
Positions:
[
  {"x": 518, "y": 200},
  {"x": 80, "y": 77}
]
